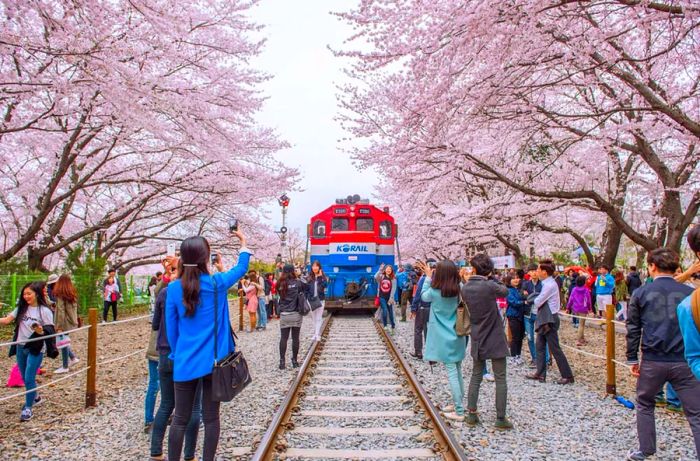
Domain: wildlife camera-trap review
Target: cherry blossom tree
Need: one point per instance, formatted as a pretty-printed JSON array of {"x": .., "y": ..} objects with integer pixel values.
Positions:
[
  {"x": 127, "y": 119},
  {"x": 592, "y": 104}
]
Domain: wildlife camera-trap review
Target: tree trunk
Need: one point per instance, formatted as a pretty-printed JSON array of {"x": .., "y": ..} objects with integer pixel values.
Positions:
[
  {"x": 610, "y": 244},
  {"x": 35, "y": 260},
  {"x": 641, "y": 257}
]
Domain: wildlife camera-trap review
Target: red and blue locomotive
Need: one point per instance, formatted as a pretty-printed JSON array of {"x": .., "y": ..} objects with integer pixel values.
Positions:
[{"x": 351, "y": 239}]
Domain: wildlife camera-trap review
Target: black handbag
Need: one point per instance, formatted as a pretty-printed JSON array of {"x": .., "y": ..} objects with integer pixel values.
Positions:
[
  {"x": 303, "y": 306},
  {"x": 230, "y": 375},
  {"x": 315, "y": 301}
]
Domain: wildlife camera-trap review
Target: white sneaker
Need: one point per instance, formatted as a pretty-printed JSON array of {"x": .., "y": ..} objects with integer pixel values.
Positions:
[
  {"x": 61, "y": 370},
  {"x": 453, "y": 416},
  {"x": 72, "y": 362},
  {"x": 489, "y": 377},
  {"x": 448, "y": 409}
]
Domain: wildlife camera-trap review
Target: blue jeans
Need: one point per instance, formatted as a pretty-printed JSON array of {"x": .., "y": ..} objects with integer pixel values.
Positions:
[
  {"x": 671, "y": 396},
  {"x": 530, "y": 331},
  {"x": 28, "y": 365},
  {"x": 167, "y": 405},
  {"x": 262, "y": 312},
  {"x": 454, "y": 375},
  {"x": 66, "y": 354},
  {"x": 387, "y": 312},
  {"x": 151, "y": 391}
]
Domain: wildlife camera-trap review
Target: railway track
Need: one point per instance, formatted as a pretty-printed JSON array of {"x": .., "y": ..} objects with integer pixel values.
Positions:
[{"x": 356, "y": 398}]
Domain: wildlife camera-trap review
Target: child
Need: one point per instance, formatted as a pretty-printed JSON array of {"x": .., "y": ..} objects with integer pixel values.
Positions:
[{"x": 580, "y": 304}]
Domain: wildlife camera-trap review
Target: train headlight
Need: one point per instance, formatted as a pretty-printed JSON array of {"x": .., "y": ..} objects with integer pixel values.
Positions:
[
  {"x": 369, "y": 270},
  {"x": 336, "y": 269}
]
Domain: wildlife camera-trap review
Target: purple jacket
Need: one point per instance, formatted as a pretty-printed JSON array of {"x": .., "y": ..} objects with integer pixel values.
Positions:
[{"x": 580, "y": 300}]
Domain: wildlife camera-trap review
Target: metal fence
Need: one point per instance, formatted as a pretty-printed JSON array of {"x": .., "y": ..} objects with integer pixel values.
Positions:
[{"x": 134, "y": 290}]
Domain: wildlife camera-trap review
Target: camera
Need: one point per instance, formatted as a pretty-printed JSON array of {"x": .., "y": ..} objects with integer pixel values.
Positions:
[
  {"x": 214, "y": 258},
  {"x": 233, "y": 225}
]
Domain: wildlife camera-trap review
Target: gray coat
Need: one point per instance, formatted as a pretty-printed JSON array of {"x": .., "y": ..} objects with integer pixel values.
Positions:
[{"x": 488, "y": 336}]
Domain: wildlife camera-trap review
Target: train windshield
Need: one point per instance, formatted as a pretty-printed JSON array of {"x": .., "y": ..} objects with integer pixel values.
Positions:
[
  {"x": 365, "y": 224},
  {"x": 319, "y": 229},
  {"x": 385, "y": 229},
  {"x": 340, "y": 224}
]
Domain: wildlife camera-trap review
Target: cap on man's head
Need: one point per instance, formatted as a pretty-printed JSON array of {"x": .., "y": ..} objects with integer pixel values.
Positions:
[
  {"x": 53, "y": 278},
  {"x": 288, "y": 268}
]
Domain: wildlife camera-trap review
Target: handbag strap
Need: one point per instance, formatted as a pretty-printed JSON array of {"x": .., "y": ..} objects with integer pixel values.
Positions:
[{"x": 216, "y": 320}]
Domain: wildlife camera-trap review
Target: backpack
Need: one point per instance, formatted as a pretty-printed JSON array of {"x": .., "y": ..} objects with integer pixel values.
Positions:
[{"x": 695, "y": 307}]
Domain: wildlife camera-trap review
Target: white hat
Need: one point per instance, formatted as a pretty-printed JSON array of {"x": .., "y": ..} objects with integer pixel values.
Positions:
[{"x": 53, "y": 278}]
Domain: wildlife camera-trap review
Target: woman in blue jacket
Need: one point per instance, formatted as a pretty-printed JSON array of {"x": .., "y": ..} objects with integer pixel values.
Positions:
[
  {"x": 189, "y": 318},
  {"x": 516, "y": 317},
  {"x": 441, "y": 289}
]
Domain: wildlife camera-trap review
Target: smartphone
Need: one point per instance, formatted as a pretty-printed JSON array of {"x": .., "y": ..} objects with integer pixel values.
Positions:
[
  {"x": 170, "y": 250},
  {"x": 233, "y": 225},
  {"x": 214, "y": 258}
]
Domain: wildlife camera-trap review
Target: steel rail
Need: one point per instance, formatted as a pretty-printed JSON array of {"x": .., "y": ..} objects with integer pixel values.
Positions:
[
  {"x": 281, "y": 419},
  {"x": 446, "y": 444}
]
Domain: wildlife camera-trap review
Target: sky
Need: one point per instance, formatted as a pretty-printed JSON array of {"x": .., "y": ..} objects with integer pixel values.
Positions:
[{"x": 302, "y": 103}]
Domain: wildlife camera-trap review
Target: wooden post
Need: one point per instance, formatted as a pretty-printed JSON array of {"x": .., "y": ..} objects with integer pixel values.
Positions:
[
  {"x": 610, "y": 387},
  {"x": 240, "y": 310},
  {"x": 90, "y": 390}
]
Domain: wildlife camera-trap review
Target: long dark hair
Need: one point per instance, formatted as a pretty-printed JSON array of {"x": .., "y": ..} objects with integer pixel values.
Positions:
[
  {"x": 312, "y": 275},
  {"x": 446, "y": 279},
  {"x": 194, "y": 250},
  {"x": 22, "y": 306},
  {"x": 283, "y": 282}
]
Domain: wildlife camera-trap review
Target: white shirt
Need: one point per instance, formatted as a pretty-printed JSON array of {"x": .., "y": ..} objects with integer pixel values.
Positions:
[
  {"x": 549, "y": 295},
  {"x": 41, "y": 315}
]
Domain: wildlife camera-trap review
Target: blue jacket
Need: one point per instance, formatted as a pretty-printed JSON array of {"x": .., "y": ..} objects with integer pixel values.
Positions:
[
  {"x": 604, "y": 285},
  {"x": 417, "y": 301},
  {"x": 191, "y": 338},
  {"x": 516, "y": 303},
  {"x": 442, "y": 343},
  {"x": 652, "y": 319},
  {"x": 691, "y": 336}
]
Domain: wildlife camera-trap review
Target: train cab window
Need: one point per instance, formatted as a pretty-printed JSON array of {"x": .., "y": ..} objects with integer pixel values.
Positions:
[
  {"x": 319, "y": 229},
  {"x": 340, "y": 224},
  {"x": 385, "y": 229},
  {"x": 364, "y": 224}
]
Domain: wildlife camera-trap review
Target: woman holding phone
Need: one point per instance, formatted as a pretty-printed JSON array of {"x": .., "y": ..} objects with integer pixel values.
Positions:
[{"x": 197, "y": 318}]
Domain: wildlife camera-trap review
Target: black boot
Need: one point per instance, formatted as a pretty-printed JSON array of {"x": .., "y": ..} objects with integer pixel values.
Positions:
[
  {"x": 295, "y": 364},
  {"x": 282, "y": 365}
]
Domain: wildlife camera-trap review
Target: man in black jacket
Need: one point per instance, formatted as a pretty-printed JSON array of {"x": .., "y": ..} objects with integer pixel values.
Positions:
[
  {"x": 634, "y": 281},
  {"x": 653, "y": 321}
]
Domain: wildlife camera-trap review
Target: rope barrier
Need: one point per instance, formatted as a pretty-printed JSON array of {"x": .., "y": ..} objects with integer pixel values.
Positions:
[
  {"x": 584, "y": 352},
  {"x": 117, "y": 322},
  {"x": 599, "y": 321},
  {"x": 49, "y": 384},
  {"x": 122, "y": 357},
  {"x": 41, "y": 338}
]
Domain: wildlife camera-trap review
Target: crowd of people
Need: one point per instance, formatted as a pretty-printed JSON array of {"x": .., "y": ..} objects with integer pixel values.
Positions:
[
  {"x": 662, "y": 315},
  {"x": 492, "y": 312}
]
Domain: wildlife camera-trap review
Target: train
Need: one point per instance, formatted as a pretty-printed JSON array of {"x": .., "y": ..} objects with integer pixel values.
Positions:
[{"x": 351, "y": 239}]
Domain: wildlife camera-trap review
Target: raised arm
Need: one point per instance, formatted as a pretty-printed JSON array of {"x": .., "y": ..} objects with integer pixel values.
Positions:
[
  {"x": 171, "y": 323},
  {"x": 425, "y": 294}
]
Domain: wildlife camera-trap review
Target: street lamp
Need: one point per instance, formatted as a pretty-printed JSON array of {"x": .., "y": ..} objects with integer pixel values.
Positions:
[{"x": 283, "y": 201}]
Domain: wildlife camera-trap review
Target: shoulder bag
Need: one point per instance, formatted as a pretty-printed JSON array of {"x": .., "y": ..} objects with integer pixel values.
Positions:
[
  {"x": 463, "y": 327},
  {"x": 230, "y": 375},
  {"x": 695, "y": 307},
  {"x": 303, "y": 306}
]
